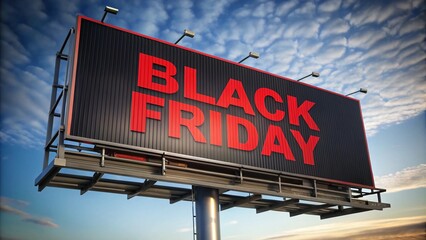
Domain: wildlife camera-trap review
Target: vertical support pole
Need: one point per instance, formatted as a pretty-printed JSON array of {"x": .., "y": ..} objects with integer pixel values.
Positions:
[
  {"x": 279, "y": 184},
  {"x": 52, "y": 103},
  {"x": 194, "y": 229},
  {"x": 163, "y": 164},
  {"x": 59, "y": 57},
  {"x": 61, "y": 142},
  {"x": 61, "y": 137},
  {"x": 350, "y": 194},
  {"x": 103, "y": 158},
  {"x": 315, "y": 188},
  {"x": 207, "y": 210}
]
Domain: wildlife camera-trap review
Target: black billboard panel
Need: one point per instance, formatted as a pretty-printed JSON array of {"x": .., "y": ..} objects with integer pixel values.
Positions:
[{"x": 134, "y": 90}]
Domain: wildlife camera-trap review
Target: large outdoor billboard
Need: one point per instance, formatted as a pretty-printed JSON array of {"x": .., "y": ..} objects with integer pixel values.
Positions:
[{"x": 135, "y": 90}]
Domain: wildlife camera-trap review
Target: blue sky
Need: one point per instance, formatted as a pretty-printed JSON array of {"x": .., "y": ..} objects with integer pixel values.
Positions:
[{"x": 379, "y": 45}]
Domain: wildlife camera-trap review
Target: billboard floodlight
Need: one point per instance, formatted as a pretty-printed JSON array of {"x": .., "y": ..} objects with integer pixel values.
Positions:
[
  {"x": 252, "y": 55},
  {"x": 362, "y": 90},
  {"x": 186, "y": 33},
  {"x": 107, "y": 10},
  {"x": 313, "y": 74}
]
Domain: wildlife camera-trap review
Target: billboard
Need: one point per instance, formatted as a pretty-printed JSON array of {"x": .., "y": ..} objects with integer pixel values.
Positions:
[{"x": 134, "y": 90}]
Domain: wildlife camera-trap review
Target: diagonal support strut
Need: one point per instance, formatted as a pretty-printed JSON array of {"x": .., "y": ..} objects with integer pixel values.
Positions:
[
  {"x": 180, "y": 198},
  {"x": 310, "y": 209},
  {"x": 240, "y": 202},
  {"x": 277, "y": 205},
  {"x": 95, "y": 179},
  {"x": 145, "y": 186}
]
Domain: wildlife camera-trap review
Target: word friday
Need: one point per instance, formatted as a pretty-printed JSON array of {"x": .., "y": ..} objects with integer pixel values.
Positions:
[{"x": 185, "y": 115}]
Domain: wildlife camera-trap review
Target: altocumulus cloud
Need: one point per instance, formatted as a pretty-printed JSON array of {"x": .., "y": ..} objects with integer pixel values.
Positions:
[
  {"x": 406, "y": 179},
  {"x": 9, "y": 205}
]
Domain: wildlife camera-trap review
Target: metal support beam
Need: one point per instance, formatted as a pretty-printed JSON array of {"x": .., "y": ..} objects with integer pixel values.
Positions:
[
  {"x": 277, "y": 205},
  {"x": 52, "y": 102},
  {"x": 71, "y": 31},
  {"x": 52, "y": 110},
  {"x": 315, "y": 188},
  {"x": 95, "y": 179},
  {"x": 49, "y": 173},
  {"x": 342, "y": 212},
  {"x": 207, "y": 213},
  {"x": 61, "y": 137},
  {"x": 310, "y": 209},
  {"x": 53, "y": 98},
  {"x": 163, "y": 166},
  {"x": 145, "y": 186},
  {"x": 102, "y": 163},
  {"x": 50, "y": 141},
  {"x": 180, "y": 198},
  {"x": 241, "y": 202}
]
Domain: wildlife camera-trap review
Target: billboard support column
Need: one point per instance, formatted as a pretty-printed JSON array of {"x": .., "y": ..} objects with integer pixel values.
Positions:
[{"x": 207, "y": 213}]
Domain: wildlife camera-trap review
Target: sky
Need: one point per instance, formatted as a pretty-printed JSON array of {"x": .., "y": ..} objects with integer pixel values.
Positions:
[{"x": 379, "y": 45}]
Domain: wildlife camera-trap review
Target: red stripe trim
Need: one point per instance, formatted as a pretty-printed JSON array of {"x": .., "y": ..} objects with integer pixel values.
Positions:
[
  {"x": 366, "y": 145},
  {"x": 74, "y": 71}
]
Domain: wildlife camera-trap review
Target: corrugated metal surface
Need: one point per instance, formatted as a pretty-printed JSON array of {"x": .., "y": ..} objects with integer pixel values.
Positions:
[{"x": 107, "y": 75}]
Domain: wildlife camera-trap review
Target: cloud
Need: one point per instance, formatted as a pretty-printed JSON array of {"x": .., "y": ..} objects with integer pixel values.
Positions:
[
  {"x": 27, "y": 47},
  {"x": 413, "y": 25},
  {"x": 392, "y": 100},
  {"x": 264, "y": 9},
  {"x": 207, "y": 14},
  {"x": 284, "y": 8},
  {"x": 23, "y": 108},
  {"x": 149, "y": 18},
  {"x": 13, "y": 202},
  {"x": 330, "y": 54},
  {"x": 308, "y": 48},
  {"x": 5, "y": 207},
  {"x": 408, "y": 178},
  {"x": 35, "y": 11},
  {"x": 302, "y": 29},
  {"x": 394, "y": 228},
  {"x": 333, "y": 27},
  {"x": 307, "y": 9},
  {"x": 365, "y": 38},
  {"x": 43, "y": 222},
  {"x": 8, "y": 209},
  {"x": 329, "y": 6},
  {"x": 233, "y": 222},
  {"x": 368, "y": 13},
  {"x": 184, "y": 230}
]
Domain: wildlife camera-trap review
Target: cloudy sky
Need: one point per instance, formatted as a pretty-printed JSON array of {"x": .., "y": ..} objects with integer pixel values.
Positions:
[{"x": 379, "y": 45}]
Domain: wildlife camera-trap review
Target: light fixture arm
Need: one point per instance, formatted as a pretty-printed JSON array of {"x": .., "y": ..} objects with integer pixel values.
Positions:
[
  {"x": 313, "y": 74},
  {"x": 242, "y": 60},
  {"x": 303, "y": 77},
  {"x": 252, "y": 55},
  {"x": 179, "y": 39},
  {"x": 362, "y": 90},
  {"x": 186, "y": 33},
  {"x": 103, "y": 17}
]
